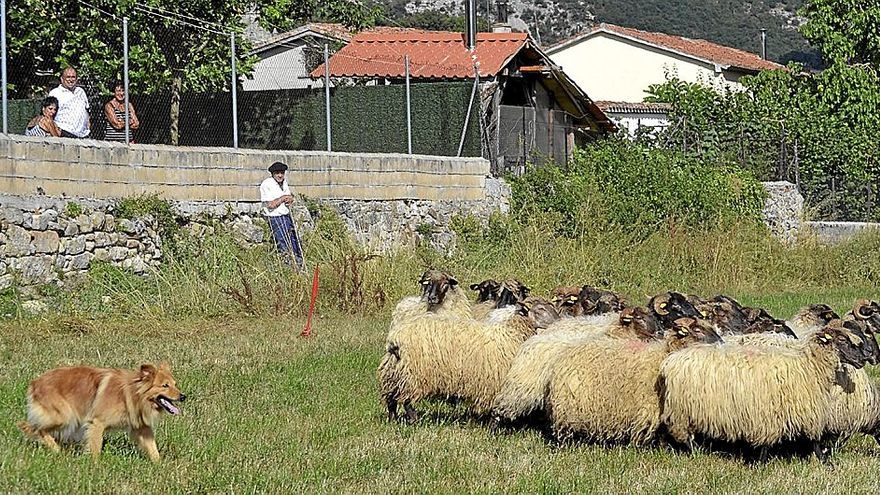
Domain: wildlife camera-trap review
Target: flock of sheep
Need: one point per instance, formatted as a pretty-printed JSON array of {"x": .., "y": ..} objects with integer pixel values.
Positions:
[{"x": 682, "y": 370}]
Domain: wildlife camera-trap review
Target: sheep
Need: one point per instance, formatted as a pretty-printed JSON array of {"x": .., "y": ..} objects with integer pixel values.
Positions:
[
  {"x": 724, "y": 312},
  {"x": 811, "y": 318},
  {"x": 488, "y": 292},
  {"x": 600, "y": 309},
  {"x": 604, "y": 390},
  {"x": 511, "y": 292},
  {"x": 597, "y": 301},
  {"x": 670, "y": 306},
  {"x": 440, "y": 295},
  {"x": 758, "y": 394},
  {"x": 450, "y": 357},
  {"x": 566, "y": 300},
  {"x": 524, "y": 390}
]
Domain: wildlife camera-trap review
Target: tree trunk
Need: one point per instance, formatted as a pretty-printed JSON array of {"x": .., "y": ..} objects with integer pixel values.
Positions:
[{"x": 176, "y": 86}]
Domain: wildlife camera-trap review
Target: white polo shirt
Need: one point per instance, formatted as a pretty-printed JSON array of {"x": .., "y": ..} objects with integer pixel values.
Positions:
[
  {"x": 73, "y": 110},
  {"x": 270, "y": 191}
]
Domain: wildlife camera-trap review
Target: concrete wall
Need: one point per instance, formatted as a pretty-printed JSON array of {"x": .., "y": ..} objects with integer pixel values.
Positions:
[{"x": 100, "y": 169}]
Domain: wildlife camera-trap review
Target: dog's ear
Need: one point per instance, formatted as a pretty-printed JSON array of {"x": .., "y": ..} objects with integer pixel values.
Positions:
[{"x": 148, "y": 371}]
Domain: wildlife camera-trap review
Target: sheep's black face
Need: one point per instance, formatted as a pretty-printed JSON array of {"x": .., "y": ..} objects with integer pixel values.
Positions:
[
  {"x": 763, "y": 322},
  {"x": 849, "y": 346},
  {"x": 822, "y": 313},
  {"x": 727, "y": 315},
  {"x": 566, "y": 301},
  {"x": 642, "y": 322},
  {"x": 435, "y": 285},
  {"x": 512, "y": 291},
  {"x": 670, "y": 306},
  {"x": 686, "y": 331},
  {"x": 862, "y": 331},
  {"x": 487, "y": 290},
  {"x": 597, "y": 301}
]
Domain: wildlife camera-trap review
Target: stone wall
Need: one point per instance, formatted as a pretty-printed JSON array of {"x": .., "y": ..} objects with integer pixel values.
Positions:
[{"x": 783, "y": 210}]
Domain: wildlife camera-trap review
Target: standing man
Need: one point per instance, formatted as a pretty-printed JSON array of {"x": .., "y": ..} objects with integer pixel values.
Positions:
[
  {"x": 275, "y": 195},
  {"x": 73, "y": 106}
]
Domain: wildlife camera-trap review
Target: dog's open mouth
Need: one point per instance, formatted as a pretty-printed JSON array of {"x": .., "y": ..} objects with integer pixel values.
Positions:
[{"x": 167, "y": 404}]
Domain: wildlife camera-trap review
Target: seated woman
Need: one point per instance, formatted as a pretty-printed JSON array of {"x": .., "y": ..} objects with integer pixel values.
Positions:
[
  {"x": 114, "y": 111},
  {"x": 44, "y": 124}
]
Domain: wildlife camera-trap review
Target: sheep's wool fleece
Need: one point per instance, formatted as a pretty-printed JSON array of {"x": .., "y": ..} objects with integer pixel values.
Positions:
[
  {"x": 759, "y": 394},
  {"x": 455, "y": 304},
  {"x": 524, "y": 390},
  {"x": 448, "y": 357},
  {"x": 584, "y": 324},
  {"x": 604, "y": 390},
  {"x": 855, "y": 405}
]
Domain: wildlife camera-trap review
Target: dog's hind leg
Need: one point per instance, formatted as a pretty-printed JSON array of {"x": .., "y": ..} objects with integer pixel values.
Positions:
[
  {"x": 41, "y": 435},
  {"x": 94, "y": 438},
  {"x": 147, "y": 441}
]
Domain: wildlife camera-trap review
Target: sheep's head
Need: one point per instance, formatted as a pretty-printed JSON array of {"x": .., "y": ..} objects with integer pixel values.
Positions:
[
  {"x": 538, "y": 312},
  {"x": 597, "y": 301},
  {"x": 850, "y": 347},
  {"x": 726, "y": 313},
  {"x": 512, "y": 291},
  {"x": 435, "y": 284},
  {"x": 816, "y": 314},
  {"x": 670, "y": 306},
  {"x": 760, "y": 321},
  {"x": 487, "y": 290},
  {"x": 686, "y": 331},
  {"x": 864, "y": 309},
  {"x": 864, "y": 331},
  {"x": 641, "y": 321},
  {"x": 566, "y": 300}
]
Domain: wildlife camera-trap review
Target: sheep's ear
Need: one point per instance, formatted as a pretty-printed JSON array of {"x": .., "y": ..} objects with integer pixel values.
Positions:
[
  {"x": 825, "y": 337},
  {"x": 475, "y": 286},
  {"x": 452, "y": 281},
  {"x": 555, "y": 299}
]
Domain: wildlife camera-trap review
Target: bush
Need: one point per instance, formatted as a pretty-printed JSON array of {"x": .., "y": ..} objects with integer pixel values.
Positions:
[{"x": 619, "y": 184}]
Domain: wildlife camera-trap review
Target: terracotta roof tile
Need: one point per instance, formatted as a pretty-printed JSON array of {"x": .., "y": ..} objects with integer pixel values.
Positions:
[
  {"x": 432, "y": 54},
  {"x": 697, "y": 48},
  {"x": 633, "y": 107}
]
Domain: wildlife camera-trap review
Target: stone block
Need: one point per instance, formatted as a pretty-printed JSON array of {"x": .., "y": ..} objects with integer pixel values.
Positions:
[
  {"x": 45, "y": 241},
  {"x": 102, "y": 254},
  {"x": 75, "y": 245},
  {"x": 118, "y": 253},
  {"x": 79, "y": 262},
  {"x": 18, "y": 242},
  {"x": 84, "y": 223}
]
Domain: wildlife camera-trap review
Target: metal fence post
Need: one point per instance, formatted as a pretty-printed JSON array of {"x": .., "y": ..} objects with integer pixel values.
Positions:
[
  {"x": 125, "y": 76},
  {"x": 408, "y": 112},
  {"x": 3, "y": 63},
  {"x": 234, "y": 95},
  {"x": 467, "y": 117},
  {"x": 327, "y": 93}
]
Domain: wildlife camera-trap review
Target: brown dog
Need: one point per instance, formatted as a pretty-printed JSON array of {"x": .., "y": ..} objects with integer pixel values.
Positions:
[{"x": 80, "y": 403}]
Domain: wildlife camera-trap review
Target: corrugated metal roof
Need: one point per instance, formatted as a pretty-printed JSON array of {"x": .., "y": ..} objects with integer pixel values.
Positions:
[
  {"x": 696, "y": 48},
  {"x": 432, "y": 54},
  {"x": 633, "y": 107}
]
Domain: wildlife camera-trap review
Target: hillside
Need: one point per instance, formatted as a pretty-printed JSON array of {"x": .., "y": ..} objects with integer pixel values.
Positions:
[{"x": 729, "y": 23}]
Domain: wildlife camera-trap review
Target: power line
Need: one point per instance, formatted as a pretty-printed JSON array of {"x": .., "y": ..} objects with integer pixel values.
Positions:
[
  {"x": 184, "y": 16},
  {"x": 157, "y": 14},
  {"x": 87, "y": 4}
]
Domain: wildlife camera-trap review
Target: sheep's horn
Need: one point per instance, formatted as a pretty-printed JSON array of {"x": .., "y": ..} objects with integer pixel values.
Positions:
[
  {"x": 863, "y": 309},
  {"x": 660, "y": 304}
]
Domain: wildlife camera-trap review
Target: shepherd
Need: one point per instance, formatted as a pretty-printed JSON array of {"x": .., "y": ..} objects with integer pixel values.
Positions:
[{"x": 275, "y": 196}]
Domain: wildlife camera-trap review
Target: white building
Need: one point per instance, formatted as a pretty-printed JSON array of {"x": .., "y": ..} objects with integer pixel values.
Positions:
[
  {"x": 284, "y": 58},
  {"x": 616, "y": 65}
]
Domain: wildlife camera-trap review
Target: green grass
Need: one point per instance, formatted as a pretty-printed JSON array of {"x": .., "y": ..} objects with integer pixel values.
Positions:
[{"x": 271, "y": 412}]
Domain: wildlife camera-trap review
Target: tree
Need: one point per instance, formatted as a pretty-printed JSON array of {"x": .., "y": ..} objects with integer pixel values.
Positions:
[
  {"x": 846, "y": 31},
  {"x": 174, "y": 46}
]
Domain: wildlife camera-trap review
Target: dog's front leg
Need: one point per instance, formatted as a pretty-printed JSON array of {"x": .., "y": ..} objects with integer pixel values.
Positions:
[
  {"x": 147, "y": 441},
  {"x": 94, "y": 437}
]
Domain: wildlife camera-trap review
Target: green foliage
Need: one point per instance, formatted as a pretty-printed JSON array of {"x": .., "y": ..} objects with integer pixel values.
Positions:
[
  {"x": 816, "y": 130},
  {"x": 73, "y": 209},
  {"x": 149, "y": 204},
  {"x": 438, "y": 115},
  {"x": 846, "y": 31},
  {"x": 622, "y": 185}
]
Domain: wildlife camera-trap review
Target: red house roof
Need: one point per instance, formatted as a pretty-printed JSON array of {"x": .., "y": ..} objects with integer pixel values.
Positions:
[
  {"x": 695, "y": 48},
  {"x": 432, "y": 55}
]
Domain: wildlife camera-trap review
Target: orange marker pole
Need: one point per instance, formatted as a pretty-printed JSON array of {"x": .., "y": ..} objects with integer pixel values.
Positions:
[{"x": 307, "y": 331}]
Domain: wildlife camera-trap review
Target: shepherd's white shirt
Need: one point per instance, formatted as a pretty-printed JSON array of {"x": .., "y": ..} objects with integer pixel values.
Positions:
[{"x": 270, "y": 191}]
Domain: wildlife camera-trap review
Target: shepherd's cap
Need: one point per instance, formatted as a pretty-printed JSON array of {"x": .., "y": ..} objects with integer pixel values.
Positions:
[{"x": 278, "y": 167}]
